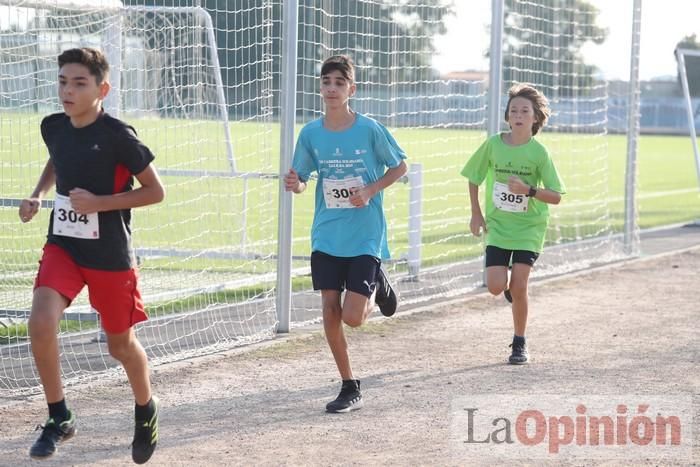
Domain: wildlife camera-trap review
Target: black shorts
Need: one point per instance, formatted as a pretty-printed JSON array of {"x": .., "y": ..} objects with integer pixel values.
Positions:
[
  {"x": 499, "y": 257},
  {"x": 356, "y": 273}
]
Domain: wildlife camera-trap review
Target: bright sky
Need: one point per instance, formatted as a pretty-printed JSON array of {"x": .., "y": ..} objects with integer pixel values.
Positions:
[{"x": 664, "y": 24}]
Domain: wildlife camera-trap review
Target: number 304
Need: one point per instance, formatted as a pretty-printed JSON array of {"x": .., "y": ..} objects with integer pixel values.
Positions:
[{"x": 71, "y": 216}]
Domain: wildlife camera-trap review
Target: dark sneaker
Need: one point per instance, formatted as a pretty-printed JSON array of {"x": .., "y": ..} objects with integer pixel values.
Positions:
[
  {"x": 145, "y": 437},
  {"x": 519, "y": 355},
  {"x": 509, "y": 297},
  {"x": 349, "y": 398},
  {"x": 51, "y": 435},
  {"x": 386, "y": 297}
]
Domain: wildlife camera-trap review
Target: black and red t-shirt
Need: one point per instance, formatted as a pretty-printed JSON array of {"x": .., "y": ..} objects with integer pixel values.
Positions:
[{"x": 102, "y": 159}]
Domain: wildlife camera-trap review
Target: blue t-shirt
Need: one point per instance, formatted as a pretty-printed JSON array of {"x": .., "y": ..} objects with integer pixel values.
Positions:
[{"x": 347, "y": 159}]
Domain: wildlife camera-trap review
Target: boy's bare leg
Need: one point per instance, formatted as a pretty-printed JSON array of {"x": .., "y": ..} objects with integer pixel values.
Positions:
[
  {"x": 518, "y": 289},
  {"x": 334, "y": 315},
  {"x": 357, "y": 308},
  {"x": 125, "y": 348},
  {"x": 333, "y": 327},
  {"x": 497, "y": 279},
  {"x": 47, "y": 308}
]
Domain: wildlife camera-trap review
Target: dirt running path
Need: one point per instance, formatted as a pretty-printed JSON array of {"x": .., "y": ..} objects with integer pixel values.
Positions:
[{"x": 626, "y": 329}]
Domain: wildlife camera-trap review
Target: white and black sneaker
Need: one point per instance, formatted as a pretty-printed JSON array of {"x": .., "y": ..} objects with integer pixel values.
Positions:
[
  {"x": 386, "y": 298},
  {"x": 349, "y": 398}
]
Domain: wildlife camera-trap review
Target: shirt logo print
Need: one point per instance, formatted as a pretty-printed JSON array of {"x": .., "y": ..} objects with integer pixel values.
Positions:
[{"x": 95, "y": 147}]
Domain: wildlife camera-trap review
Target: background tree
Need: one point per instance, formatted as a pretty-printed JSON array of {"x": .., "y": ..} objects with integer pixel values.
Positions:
[
  {"x": 692, "y": 64},
  {"x": 390, "y": 41},
  {"x": 544, "y": 45}
]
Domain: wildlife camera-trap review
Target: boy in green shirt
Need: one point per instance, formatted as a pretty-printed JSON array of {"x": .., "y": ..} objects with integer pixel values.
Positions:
[{"x": 521, "y": 181}]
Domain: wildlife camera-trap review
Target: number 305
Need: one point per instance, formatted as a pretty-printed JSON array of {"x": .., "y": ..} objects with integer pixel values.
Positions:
[{"x": 511, "y": 198}]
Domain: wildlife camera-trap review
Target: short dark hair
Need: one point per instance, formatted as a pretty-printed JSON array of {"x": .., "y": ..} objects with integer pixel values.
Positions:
[
  {"x": 342, "y": 63},
  {"x": 540, "y": 104},
  {"x": 93, "y": 59}
]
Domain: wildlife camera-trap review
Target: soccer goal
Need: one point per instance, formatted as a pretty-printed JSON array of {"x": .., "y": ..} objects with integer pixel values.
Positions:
[
  {"x": 207, "y": 253},
  {"x": 693, "y": 108}
]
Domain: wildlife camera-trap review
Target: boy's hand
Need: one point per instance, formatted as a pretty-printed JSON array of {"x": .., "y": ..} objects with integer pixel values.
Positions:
[
  {"x": 83, "y": 201},
  {"x": 477, "y": 224},
  {"x": 517, "y": 186},
  {"x": 360, "y": 197},
  {"x": 28, "y": 208},
  {"x": 291, "y": 181}
]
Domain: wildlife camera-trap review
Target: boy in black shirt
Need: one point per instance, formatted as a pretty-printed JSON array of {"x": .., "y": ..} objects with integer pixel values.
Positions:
[{"x": 93, "y": 159}]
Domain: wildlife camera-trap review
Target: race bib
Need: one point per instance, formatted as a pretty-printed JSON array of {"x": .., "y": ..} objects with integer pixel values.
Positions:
[
  {"x": 505, "y": 200},
  {"x": 68, "y": 223},
  {"x": 337, "y": 192}
]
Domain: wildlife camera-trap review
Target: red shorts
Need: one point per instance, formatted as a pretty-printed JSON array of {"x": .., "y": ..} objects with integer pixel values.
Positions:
[{"x": 114, "y": 294}]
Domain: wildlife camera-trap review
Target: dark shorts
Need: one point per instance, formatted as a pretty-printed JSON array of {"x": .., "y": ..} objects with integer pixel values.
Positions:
[
  {"x": 356, "y": 273},
  {"x": 499, "y": 257},
  {"x": 114, "y": 294}
]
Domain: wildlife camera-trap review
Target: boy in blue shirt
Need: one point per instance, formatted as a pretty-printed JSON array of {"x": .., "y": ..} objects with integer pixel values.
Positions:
[{"x": 355, "y": 158}]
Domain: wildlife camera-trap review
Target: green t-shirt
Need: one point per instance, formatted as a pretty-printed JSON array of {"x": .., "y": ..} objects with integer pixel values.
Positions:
[{"x": 514, "y": 222}]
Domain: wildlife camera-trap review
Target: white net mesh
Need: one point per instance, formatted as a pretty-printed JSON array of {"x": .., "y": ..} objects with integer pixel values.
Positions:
[
  {"x": 542, "y": 49},
  {"x": 441, "y": 120},
  {"x": 206, "y": 253},
  {"x": 433, "y": 118}
]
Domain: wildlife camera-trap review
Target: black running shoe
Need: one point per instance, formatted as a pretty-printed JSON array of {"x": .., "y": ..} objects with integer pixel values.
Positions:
[
  {"x": 509, "y": 297},
  {"x": 519, "y": 355},
  {"x": 349, "y": 398},
  {"x": 51, "y": 435},
  {"x": 145, "y": 437},
  {"x": 386, "y": 297}
]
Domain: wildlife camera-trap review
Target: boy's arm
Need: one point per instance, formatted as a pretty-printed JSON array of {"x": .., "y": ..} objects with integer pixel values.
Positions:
[
  {"x": 547, "y": 196},
  {"x": 476, "y": 223},
  {"x": 361, "y": 197},
  {"x": 151, "y": 191},
  {"x": 293, "y": 183},
  {"x": 30, "y": 206},
  {"x": 517, "y": 186}
]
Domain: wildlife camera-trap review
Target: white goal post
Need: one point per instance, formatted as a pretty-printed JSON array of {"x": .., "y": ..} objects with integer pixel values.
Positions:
[{"x": 682, "y": 70}]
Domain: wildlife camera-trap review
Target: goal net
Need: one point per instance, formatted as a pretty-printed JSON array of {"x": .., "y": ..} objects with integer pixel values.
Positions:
[
  {"x": 207, "y": 253},
  {"x": 541, "y": 49},
  {"x": 201, "y": 85},
  {"x": 690, "y": 60},
  {"x": 440, "y": 120}
]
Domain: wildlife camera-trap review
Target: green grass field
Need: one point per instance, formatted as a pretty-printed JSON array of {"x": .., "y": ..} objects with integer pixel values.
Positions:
[
  {"x": 207, "y": 213},
  {"x": 235, "y": 215}
]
